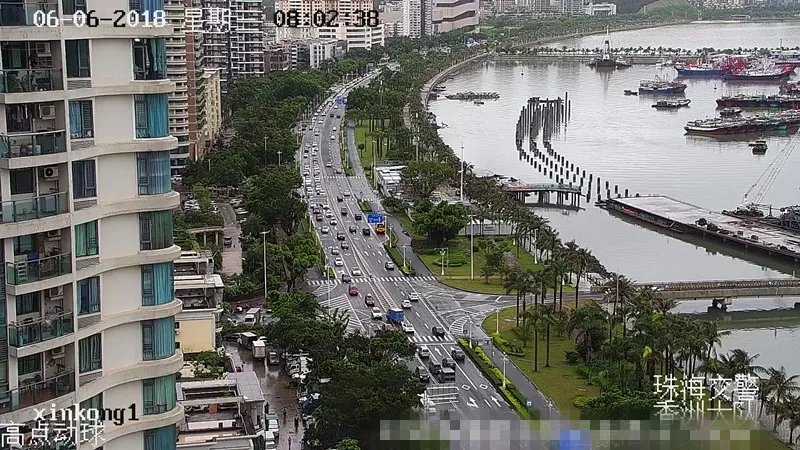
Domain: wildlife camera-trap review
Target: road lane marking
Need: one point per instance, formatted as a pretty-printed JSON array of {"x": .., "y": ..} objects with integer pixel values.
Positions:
[
  {"x": 471, "y": 403},
  {"x": 487, "y": 403},
  {"x": 484, "y": 386},
  {"x": 465, "y": 387},
  {"x": 496, "y": 402}
]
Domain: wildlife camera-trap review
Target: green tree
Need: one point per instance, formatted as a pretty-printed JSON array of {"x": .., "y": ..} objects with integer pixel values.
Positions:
[
  {"x": 203, "y": 196},
  {"x": 271, "y": 198},
  {"x": 207, "y": 364},
  {"x": 421, "y": 178},
  {"x": 440, "y": 222},
  {"x": 348, "y": 444}
]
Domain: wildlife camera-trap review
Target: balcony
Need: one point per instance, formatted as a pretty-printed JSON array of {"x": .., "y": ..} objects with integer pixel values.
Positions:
[
  {"x": 39, "y": 269},
  {"x": 35, "y": 208},
  {"x": 48, "y": 327},
  {"x": 15, "y": 14},
  {"x": 13, "y": 81},
  {"x": 33, "y": 144},
  {"x": 37, "y": 392}
]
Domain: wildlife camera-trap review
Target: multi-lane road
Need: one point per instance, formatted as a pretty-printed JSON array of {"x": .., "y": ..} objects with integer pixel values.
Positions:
[{"x": 364, "y": 259}]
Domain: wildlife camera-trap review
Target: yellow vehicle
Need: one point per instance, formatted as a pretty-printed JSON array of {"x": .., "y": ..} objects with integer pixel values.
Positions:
[{"x": 381, "y": 228}]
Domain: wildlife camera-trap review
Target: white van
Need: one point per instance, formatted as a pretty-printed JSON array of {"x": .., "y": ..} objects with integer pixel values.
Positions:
[{"x": 424, "y": 352}]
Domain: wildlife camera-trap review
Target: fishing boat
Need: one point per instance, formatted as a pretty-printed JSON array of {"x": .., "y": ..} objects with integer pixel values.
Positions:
[
  {"x": 606, "y": 59},
  {"x": 630, "y": 92},
  {"x": 738, "y": 125},
  {"x": 478, "y": 102},
  {"x": 759, "y": 147},
  {"x": 760, "y": 101},
  {"x": 699, "y": 70},
  {"x": 763, "y": 73},
  {"x": 661, "y": 87},
  {"x": 672, "y": 104},
  {"x": 730, "y": 112},
  {"x": 791, "y": 88}
]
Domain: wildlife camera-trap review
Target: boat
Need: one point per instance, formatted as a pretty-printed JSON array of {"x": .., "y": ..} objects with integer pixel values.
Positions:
[
  {"x": 473, "y": 96},
  {"x": 730, "y": 112},
  {"x": 760, "y": 101},
  {"x": 700, "y": 70},
  {"x": 738, "y": 125},
  {"x": 763, "y": 73},
  {"x": 606, "y": 59},
  {"x": 661, "y": 87},
  {"x": 759, "y": 147},
  {"x": 478, "y": 102},
  {"x": 672, "y": 104},
  {"x": 630, "y": 92},
  {"x": 791, "y": 88}
]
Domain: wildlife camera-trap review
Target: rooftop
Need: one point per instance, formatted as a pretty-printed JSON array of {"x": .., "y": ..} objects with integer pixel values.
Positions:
[{"x": 208, "y": 281}]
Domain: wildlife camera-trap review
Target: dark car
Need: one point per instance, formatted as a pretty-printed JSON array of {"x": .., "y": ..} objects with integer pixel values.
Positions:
[
  {"x": 353, "y": 228},
  {"x": 434, "y": 367},
  {"x": 358, "y": 216},
  {"x": 457, "y": 354},
  {"x": 344, "y": 211},
  {"x": 346, "y": 278},
  {"x": 422, "y": 374},
  {"x": 345, "y": 246},
  {"x": 339, "y": 198},
  {"x": 447, "y": 362},
  {"x": 318, "y": 217},
  {"x": 340, "y": 236},
  {"x": 368, "y": 300},
  {"x": 353, "y": 291},
  {"x": 365, "y": 231},
  {"x": 437, "y": 331}
]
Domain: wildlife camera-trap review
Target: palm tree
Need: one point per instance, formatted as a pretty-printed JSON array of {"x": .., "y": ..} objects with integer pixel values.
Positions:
[
  {"x": 535, "y": 316},
  {"x": 619, "y": 289},
  {"x": 549, "y": 317},
  {"x": 580, "y": 264},
  {"x": 791, "y": 413},
  {"x": 515, "y": 281},
  {"x": 711, "y": 337},
  {"x": 784, "y": 387},
  {"x": 560, "y": 269}
]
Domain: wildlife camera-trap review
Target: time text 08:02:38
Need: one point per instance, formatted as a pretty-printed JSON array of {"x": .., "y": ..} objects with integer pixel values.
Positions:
[{"x": 293, "y": 18}]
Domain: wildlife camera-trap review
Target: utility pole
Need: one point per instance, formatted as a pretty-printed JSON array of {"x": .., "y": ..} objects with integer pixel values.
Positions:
[
  {"x": 462, "y": 173},
  {"x": 265, "y": 149},
  {"x": 279, "y": 157},
  {"x": 471, "y": 247},
  {"x": 264, "y": 243}
]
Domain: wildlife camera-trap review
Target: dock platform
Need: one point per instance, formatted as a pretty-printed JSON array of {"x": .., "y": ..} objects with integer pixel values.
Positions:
[{"x": 684, "y": 217}]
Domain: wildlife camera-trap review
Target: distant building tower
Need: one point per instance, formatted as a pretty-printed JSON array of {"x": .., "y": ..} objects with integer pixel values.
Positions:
[{"x": 601, "y": 9}]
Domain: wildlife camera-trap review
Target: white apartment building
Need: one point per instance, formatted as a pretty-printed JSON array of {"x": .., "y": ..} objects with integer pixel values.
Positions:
[
  {"x": 356, "y": 37},
  {"x": 417, "y": 18},
  {"x": 200, "y": 291},
  {"x": 319, "y": 51},
  {"x": 237, "y": 49},
  {"x": 87, "y": 246},
  {"x": 451, "y": 15},
  {"x": 601, "y": 9}
]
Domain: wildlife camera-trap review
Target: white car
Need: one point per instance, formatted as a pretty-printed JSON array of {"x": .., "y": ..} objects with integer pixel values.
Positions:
[
  {"x": 333, "y": 137},
  {"x": 338, "y": 262},
  {"x": 407, "y": 327},
  {"x": 334, "y": 222},
  {"x": 356, "y": 272},
  {"x": 334, "y": 128},
  {"x": 406, "y": 304},
  {"x": 319, "y": 122},
  {"x": 325, "y": 230},
  {"x": 414, "y": 297},
  {"x": 328, "y": 164},
  {"x": 376, "y": 313}
]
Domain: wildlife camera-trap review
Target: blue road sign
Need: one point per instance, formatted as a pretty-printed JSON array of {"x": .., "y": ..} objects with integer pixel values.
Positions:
[
  {"x": 529, "y": 403},
  {"x": 340, "y": 100},
  {"x": 374, "y": 218}
]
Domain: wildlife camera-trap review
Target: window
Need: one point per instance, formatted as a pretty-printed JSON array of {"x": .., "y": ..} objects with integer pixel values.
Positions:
[
  {"x": 157, "y": 284},
  {"x": 81, "y": 119},
  {"x": 160, "y": 438},
  {"x": 28, "y": 303},
  {"x": 84, "y": 179},
  {"x": 155, "y": 230},
  {"x": 158, "y": 338},
  {"x": 95, "y": 402},
  {"x": 153, "y": 170},
  {"x": 86, "y": 239},
  {"x": 78, "y": 58},
  {"x": 89, "y": 296},
  {"x": 151, "y": 114},
  {"x": 158, "y": 395},
  {"x": 73, "y": 6},
  {"x": 22, "y": 181},
  {"x": 90, "y": 353},
  {"x": 30, "y": 364}
]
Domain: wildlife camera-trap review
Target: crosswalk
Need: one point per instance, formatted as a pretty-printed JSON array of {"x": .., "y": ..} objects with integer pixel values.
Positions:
[
  {"x": 417, "y": 339},
  {"x": 367, "y": 280},
  {"x": 334, "y": 177}
]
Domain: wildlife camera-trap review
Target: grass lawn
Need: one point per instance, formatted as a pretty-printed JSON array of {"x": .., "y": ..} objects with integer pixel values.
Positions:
[{"x": 560, "y": 381}]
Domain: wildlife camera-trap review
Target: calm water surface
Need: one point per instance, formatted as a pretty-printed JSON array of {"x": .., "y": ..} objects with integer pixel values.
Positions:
[{"x": 624, "y": 140}]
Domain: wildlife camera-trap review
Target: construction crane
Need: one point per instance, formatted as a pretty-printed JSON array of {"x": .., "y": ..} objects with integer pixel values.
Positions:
[{"x": 764, "y": 182}]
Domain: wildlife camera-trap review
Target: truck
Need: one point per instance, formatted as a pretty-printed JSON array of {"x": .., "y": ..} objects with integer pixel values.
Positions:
[
  {"x": 395, "y": 315},
  {"x": 252, "y": 317},
  {"x": 447, "y": 375},
  {"x": 381, "y": 228},
  {"x": 259, "y": 349},
  {"x": 246, "y": 339}
]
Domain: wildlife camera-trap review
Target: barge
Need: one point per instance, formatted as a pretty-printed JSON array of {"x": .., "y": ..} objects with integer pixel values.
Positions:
[
  {"x": 783, "y": 121},
  {"x": 473, "y": 96},
  {"x": 667, "y": 212},
  {"x": 760, "y": 101},
  {"x": 672, "y": 104},
  {"x": 661, "y": 87}
]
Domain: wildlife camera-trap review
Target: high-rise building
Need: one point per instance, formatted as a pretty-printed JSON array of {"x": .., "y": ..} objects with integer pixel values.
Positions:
[
  {"x": 355, "y": 37},
  {"x": 87, "y": 238},
  {"x": 237, "y": 48},
  {"x": 451, "y": 15},
  {"x": 417, "y": 18}
]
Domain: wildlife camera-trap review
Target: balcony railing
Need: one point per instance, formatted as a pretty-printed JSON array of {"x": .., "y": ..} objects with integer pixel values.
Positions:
[
  {"x": 36, "y": 393},
  {"x": 13, "y": 81},
  {"x": 39, "y": 269},
  {"x": 35, "y": 208},
  {"x": 21, "y": 334},
  {"x": 15, "y": 14},
  {"x": 33, "y": 144}
]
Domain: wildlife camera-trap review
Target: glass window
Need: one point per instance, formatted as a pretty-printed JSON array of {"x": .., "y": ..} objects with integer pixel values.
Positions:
[
  {"x": 73, "y": 6},
  {"x": 158, "y": 395},
  {"x": 22, "y": 181},
  {"x": 90, "y": 353},
  {"x": 95, "y": 402},
  {"x": 29, "y": 364},
  {"x": 153, "y": 170},
  {"x": 78, "y": 58},
  {"x": 28, "y": 303},
  {"x": 158, "y": 284},
  {"x": 84, "y": 179},
  {"x": 81, "y": 119},
  {"x": 158, "y": 338},
  {"x": 86, "y": 239},
  {"x": 89, "y": 296},
  {"x": 155, "y": 230}
]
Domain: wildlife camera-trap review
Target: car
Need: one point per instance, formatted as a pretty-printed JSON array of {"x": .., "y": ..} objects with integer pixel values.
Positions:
[
  {"x": 422, "y": 374},
  {"x": 324, "y": 230},
  {"x": 346, "y": 278},
  {"x": 338, "y": 262},
  {"x": 437, "y": 331},
  {"x": 340, "y": 236},
  {"x": 338, "y": 116},
  {"x": 352, "y": 291},
  {"x": 319, "y": 122},
  {"x": 389, "y": 265},
  {"x": 356, "y": 272},
  {"x": 333, "y": 137},
  {"x": 368, "y": 300},
  {"x": 407, "y": 327},
  {"x": 272, "y": 423},
  {"x": 366, "y": 231},
  {"x": 339, "y": 199},
  {"x": 358, "y": 216},
  {"x": 353, "y": 228},
  {"x": 447, "y": 362},
  {"x": 328, "y": 214},
  {"x": 334, "y": 222},
  {"x": 337, "y": 171},
  {"x": 434, "y": 367},
  {"x": 406, "y": 304},
  {"x": 414, "y": 297},
  {"x": 346, "y": 193},
  {"x": 273, "y": 359},
  {"x": 334, "y": 128},
  {"x": 345, "y": 246},
  {"x": 457, "y": 354},
  {"x": 318, "y": 217},
  {"x": 344, "y": 211},
  {"x": 328, "y": 164},
  {"x": 334, "y": 250},
  {"x": 326, "y": 207},
  {"x": 316, "y": 133},
  {"x": 424, "y": 351},
  {"x": 376, "y": 313}
]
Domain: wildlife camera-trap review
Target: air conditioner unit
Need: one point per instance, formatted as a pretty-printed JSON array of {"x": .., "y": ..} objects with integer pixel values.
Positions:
[
  {"x": 57, "y": 352},
  {"x": 43, "y": 49},
  {"x": 177, "y": 332},
  {"x": 47, "y": 111},
  {"x": 50, "y": 172},
  {"x": 55, "y": 292},
  {"x": 54, "y": 235}
]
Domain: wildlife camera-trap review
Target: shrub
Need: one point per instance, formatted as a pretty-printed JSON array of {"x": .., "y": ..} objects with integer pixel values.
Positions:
[
  {"x": 507, "y": 347},
  {"x": 572, "y": 357},
  {"x": 581, "y": 401}
]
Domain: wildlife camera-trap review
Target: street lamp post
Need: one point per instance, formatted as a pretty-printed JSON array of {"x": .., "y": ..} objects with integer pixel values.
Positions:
[
  {"x": 264, "y": 248},
  {"x": 471, "y": 247},
  {"x": 328, "y": 281},
  {"x": 279, "y": 157},
  {"x": 405, "y": 267},
  {"x": 535, "y": 249},
  {"x": 504, "y": 370},
  {"x": 443, "y": 251},
  {"x": 497, "y": 317}
]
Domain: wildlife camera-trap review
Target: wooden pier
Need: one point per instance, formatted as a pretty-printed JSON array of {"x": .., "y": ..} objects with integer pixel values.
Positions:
[
  {"x": 684, "y": 217},
  {"x": 566, "y": 195}
]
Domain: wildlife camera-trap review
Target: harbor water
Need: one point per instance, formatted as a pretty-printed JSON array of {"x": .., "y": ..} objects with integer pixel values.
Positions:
[{"x": 624, "y": 140}]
